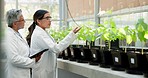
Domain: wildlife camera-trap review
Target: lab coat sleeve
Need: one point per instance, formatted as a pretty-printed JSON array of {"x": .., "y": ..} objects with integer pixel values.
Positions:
[
  {"x": 15, "y": 58},
  {"x": 62, "y": 45}
]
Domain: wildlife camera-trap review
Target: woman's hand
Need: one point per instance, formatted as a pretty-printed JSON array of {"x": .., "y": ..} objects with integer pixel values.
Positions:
[
  {"x": 75, "y": 30},
  {"x": 38, "y": 57}
]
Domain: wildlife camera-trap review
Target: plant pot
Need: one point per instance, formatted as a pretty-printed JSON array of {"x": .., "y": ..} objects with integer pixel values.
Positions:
[
  {"x": 95, "y": 56},
  {"x": 66, "y": 53},
  {"x": 106, "y": 58},
  {"x": 76, "y": 53},
  {"x": 136, "y": 63},
  {"x": 60, "y": 55},
  {"x": 146, "y": 69},
  {"x": 86, "y": 54},
  {"x": 115, "y": 44},
  {"x": 120, "y": 60}
]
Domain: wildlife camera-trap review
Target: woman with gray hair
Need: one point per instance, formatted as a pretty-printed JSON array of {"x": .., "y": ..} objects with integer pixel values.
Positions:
[{"x": 17, "y": 50}]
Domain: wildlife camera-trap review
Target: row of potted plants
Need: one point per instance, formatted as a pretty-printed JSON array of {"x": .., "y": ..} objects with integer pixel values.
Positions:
[{"x": 132, "y": 60}]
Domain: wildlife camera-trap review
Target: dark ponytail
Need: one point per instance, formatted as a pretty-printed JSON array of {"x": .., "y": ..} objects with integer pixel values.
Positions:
[
  {"x": 30, "y": 29},
  {"x": 38, "y": 15}
]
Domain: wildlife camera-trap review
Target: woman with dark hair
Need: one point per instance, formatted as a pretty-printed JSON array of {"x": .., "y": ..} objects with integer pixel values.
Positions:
[
  {"x": 40, "y": 40},
  {"x": 37, "y": 16}
]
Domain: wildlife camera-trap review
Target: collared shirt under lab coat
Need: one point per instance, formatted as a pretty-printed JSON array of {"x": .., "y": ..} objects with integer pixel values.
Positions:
[
  {"x": 47, "y": 66},
  {"x": 18, "y": 63}
]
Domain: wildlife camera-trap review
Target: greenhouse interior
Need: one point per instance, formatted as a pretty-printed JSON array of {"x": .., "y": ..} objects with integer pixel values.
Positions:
[{"x": 74, "y": 39}]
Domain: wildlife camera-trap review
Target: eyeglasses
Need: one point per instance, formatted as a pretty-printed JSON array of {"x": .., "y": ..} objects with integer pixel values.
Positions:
[
  {"x": 20, "y": 20},
  {"x": 47, "y": 18}
]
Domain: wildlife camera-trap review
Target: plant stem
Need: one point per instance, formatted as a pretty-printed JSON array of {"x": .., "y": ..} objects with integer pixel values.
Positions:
[{"x": 142, "y": 47}]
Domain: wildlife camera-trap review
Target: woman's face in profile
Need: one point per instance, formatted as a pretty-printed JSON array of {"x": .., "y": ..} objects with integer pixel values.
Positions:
[
  {"x": 20, "y": 23},
  {"x": 45, "y": 22}
]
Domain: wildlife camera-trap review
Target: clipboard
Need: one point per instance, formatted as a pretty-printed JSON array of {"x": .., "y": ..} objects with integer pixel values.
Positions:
[{"x": 33, "y": 56}]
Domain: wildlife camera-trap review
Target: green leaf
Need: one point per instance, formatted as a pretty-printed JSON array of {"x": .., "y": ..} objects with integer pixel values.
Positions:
[
  {"x": 134, "y": 37},
  {"x": 141, "y": 36},
  {"x": 128, "y": 39},
  {"x": 100, "y": 25},
  {"x": 140, "y": 28},
  {"x": 122, "y": 31},
  {"x": 112, "y": 24},
  {"x": 114, "y": 30},
  {"x": 143, "y": 24},
  {"x": 146, "y": 35},
  {"x": 106, "y": 36}
]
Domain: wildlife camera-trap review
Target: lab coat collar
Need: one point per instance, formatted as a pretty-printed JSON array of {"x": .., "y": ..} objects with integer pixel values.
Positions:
[
  {"x": 17, "y": 34},
  {"x": 39, "y": 28},
  {"x": 44, "y": 31}
]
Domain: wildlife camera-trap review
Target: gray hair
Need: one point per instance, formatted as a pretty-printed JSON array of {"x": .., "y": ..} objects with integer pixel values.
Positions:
[{"x": 12, "y": 16}]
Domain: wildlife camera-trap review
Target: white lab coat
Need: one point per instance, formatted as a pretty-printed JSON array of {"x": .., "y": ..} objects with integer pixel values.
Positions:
[
  {"x": 47, "y": 66},
  {"x": 17, "y": 50}
]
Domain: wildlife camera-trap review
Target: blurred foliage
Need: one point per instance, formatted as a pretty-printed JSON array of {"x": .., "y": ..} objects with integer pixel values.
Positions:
[
  {"x": 142, "y": 30},
  {"x": 88, "y": 32},
  {"x": 58, "y": 35}
]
